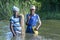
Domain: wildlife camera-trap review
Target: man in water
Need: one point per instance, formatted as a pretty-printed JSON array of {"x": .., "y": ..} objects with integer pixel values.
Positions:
[
  {"x": 15, "y": 24},
  {"x": 33, "y": 21},
  {"x": 15, "y": 21}
]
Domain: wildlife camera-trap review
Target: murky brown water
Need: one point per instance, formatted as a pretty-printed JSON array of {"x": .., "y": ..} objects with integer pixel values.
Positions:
[{"x": 4, "y": 29}]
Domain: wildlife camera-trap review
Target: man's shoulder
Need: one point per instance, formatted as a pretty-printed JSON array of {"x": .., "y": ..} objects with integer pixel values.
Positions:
[
  {"x": 27, "y": 14},
  {"x": 12, "y": 17},
  {"x": 36, "y": 15}
]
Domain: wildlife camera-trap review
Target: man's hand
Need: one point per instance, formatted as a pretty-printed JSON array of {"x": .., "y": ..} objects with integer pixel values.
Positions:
[
  {"x": 14, "y": 34},
  {"x": 36, "y": 29},
  {"x": 26, "y": 23}
]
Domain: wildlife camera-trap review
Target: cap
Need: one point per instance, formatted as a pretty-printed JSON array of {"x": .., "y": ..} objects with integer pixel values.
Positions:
[
  {"x": 32, "y": 7},
  {"x": 14, "y": 8}
]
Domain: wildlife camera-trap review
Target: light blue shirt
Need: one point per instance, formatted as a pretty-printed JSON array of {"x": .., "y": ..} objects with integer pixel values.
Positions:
[
  {"x": 16, "y": 23},
  {"x": 34, "y": 19}
]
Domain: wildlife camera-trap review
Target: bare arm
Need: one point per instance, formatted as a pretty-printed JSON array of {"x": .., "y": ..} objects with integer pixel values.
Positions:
[
  {"x": 39, "y": 23},
  {"x": 22, "y": 23},
  {"x": 27, "y": 19},
  {"x": 12, "y": 30}
]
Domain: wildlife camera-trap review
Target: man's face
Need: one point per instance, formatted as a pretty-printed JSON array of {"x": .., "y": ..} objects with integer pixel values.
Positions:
[
  {"x": 16, "y": 13},
  {"x": 32, "y": 11}
]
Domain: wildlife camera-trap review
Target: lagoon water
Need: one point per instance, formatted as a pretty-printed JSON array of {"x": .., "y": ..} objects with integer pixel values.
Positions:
[{"x": 4, "y": 28}]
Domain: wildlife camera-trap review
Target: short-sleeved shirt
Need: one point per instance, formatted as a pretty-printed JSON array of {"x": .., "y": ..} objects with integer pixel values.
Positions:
[
  {"x": 34, "y": 19},
  {"x": 16, "y": 23}
]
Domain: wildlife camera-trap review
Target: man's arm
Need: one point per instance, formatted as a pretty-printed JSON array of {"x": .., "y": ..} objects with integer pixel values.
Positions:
[
  {"x": 22, "y": 23},
  {"x": 12, "y": 30},
  {"x": 39, "y": 23},
  {"x": 26, "y": 19}
]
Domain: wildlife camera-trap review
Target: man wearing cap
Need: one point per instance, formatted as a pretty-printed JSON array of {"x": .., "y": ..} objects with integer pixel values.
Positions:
[
  {"x": 33, "y": 21},
  {"x": 15, "y": 23}
]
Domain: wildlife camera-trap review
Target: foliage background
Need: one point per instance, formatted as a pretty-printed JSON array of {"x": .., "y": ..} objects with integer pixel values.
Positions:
[{"x": 47, "y": 9}]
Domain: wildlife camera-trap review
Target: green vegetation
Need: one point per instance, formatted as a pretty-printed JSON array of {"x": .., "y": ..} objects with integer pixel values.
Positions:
[{"x": 47, "y": 9}]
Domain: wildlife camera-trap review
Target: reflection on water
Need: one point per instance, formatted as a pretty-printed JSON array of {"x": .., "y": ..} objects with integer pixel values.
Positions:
[
  {"x": 18, "y": 38},
  {"x": 28, "y": 37},
  {"x": 38, "y": 37},
  {"x": 4, "y": 29}
]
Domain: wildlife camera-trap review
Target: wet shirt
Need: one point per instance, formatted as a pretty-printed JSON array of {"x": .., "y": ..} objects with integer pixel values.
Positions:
[
  {"x": 16, "y": 23},
  {"x": 33, "y": 19}
]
